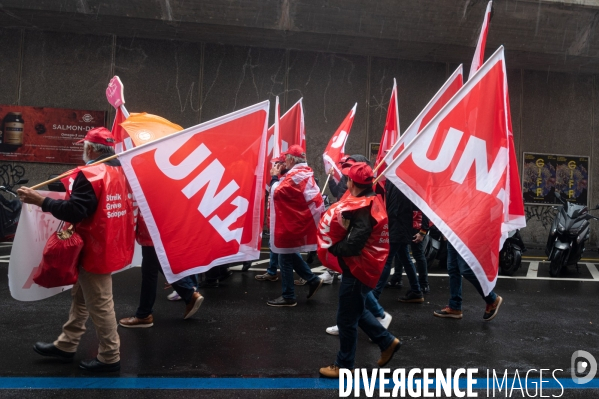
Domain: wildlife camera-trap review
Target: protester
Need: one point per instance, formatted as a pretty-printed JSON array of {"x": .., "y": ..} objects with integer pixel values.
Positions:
[
  {"x": 458, "y": 268},
  {"x": 273, "y": 263},
  {"x": 150, "y": 267},
  {"x": 365, "y": 222},
  {"x": 295, "y": 209},
  {"x": 108, "y": 247},
  {"x": 338, "y": 189}
]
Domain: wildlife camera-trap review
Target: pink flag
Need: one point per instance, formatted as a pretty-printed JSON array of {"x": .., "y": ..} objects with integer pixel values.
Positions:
[
  {"x": 449, "y": 89},
  {"x": 336, "y": 147},
  {"x": 461, "y": 171},
  {"x": 291, "y": 131},
  {"x": 479, "y": 54},
  {"x": 391, "y": 132},
  {"x": 201, "y": 193}
]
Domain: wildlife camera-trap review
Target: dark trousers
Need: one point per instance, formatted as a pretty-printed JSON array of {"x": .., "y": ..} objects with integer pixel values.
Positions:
[
  {"x": 353, "y": 313},
  {"x": 150, "y": 267}
]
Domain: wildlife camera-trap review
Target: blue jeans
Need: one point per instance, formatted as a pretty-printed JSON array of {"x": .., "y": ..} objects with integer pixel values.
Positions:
[
  {"x": 421, "y": 265},
  {"x": 403, "y": 256},
  {"x": 372, "y": 299},
  {"x": 150, "y": 267},
  {"x": 288, "y": 263},
  {"x": 458, "y": 268},
  {"x": 273, "y": 264},
  {"x": 351, "y": 314}
]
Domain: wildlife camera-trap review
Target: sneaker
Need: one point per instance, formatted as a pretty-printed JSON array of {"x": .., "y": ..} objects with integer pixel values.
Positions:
[
  {"x": 385, "y": 321},
  {"x": 281, "y": 302},
  {"x": 136, "y": 322},
  {"x": 314, "y": 286},
  {"x": 327, "y": 278},
  {"x": 245, "y": 266},
  {"x": 173, "y": 296},
  {"x": 301, "y": 281},
  {"x": 412, "y": 297},
  {"x": 425, "y": 288},
  {"x": 449, "y": 313},
  {"x": 388, "y": 353},
  {"x": 266, "y": 277},
  {"x": 331, "y": 371},
  {"x": 491, "y": 310},
  {"x": 310, "y": 258},
  {"x": 332, "y": 330},
  {"x": 192, "y": 307}
]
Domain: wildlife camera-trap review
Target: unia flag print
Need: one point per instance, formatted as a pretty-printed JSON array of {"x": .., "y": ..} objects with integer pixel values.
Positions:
[
  {"x": 201, "y": 191},
  {"x": 461, "y": 171}
]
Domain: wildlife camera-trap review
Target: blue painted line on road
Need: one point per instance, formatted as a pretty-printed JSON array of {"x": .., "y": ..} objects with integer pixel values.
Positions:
[{"x": 159, "y": 383}]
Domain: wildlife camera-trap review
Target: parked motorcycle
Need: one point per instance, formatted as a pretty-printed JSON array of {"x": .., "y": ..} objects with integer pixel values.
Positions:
[
  {"x": 510, "y": 256},
  {"x": 569, "y": 232},
  {"x": 10, "y": 211}
]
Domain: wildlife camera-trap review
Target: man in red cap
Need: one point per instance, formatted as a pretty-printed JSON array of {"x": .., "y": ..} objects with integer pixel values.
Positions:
[
  {"x": 295, "y": 209},
  {"x": 359, "y": 256},
  {"x": 108, "y": 236}
]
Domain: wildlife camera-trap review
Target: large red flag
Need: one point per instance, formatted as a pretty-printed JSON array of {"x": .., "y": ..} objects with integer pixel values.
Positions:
[
  {"x": 291, "y": 131},
  {"x": 449, "y": 89},
  {"x": 461, "y": 171},
  {"x": 391, "y": 132},
  {"x": 201, "y": 193},
  {"x": 336, "y": 147},
  {"x": 479, "y": 54}
]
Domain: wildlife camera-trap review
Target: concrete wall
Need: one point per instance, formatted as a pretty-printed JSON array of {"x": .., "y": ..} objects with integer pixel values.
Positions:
[{"x": 189, "y": 83}]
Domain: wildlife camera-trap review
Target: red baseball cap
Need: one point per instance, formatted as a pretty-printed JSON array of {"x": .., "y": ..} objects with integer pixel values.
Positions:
[
  {"x": 361, "y": 173},
  {"x": 296, "y": 151},
  {"x": 279, "y": 159},
  {"x": 99, "y": 135}
]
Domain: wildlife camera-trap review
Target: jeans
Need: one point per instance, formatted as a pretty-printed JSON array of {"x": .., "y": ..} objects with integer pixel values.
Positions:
[
  {"x": 458, "y": 268},
  {"x": 421, "y": 265},
  {"x": 372, "y": 299},
  {"x": 403, "y": 255},
  {"x": 150, "y": 266},
  {"x": 288, "y": 263},
  {"x": 273, "y": 264},
  {"x": 351, "y": 314}
]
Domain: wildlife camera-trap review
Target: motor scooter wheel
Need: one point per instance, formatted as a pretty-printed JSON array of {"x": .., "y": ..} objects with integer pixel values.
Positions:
[
  {"x": 510, "y": 261},
  {"x": 556, "y": 263}
]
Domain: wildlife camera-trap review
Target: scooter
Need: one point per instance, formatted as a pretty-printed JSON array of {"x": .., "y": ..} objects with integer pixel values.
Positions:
[
  {"x": 569, "y": 232},
  {"x": 10, "y": 211},
  {"x": 510, "y": 256}
]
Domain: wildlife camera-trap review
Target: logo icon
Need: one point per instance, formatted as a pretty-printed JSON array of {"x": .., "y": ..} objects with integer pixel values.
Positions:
[
  {"x": 580, "y": 367},
  {"x": 87, "y": 118}
]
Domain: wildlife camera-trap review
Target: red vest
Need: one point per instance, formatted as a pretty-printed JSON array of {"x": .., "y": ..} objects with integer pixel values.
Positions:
[
  {"x": 109, "y": 234},
  {"x": 368, "y": 266},
  {"x": 142, "y": 235}
]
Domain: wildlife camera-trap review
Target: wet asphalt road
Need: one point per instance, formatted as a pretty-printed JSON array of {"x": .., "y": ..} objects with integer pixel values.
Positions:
[{"x": 235, "y": 334}]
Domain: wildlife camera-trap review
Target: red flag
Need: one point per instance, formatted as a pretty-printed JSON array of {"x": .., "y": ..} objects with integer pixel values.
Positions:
[
  {"x": 449, "y": 89},
  {"x": 391, "y": 132},
  {"x": 291, "y": 131},
  {"x": 201, "y": 193},
  {"x": 461, "y": 171},
  {"x": 479, "y": 54},
  {"x": 336, "y": 147}
]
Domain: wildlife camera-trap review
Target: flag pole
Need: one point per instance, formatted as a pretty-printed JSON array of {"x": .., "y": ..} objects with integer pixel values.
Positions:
[
  {"x": 325, "y": 184},
  {"x": 69, "y": 172}
]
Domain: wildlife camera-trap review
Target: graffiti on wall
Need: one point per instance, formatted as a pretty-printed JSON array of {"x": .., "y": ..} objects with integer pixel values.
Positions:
[
  {"x": 542, "y": 214},
  {"x": 10, "y": 174}
]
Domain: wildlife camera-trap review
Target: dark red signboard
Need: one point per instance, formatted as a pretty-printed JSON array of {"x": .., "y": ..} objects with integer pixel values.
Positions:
[{"x": 49, "y": 135}]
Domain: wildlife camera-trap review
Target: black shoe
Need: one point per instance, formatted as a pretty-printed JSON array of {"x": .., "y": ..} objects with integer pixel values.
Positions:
[
  {"x": 50, "y": 350},
  {"x": 280, "y": 302},
  {"x": 246, "y": 266},
  {"x": 310, "y": 258},
  {"x": 412, "y": 297},
  {"x": 426, "y": 289},
  {"x": 208, "y": 284},
  {"x": 394, "y": 284},
  {"x": 225, "y": 276},
  {"x": 314, "y": 286},
  {"x": 97, "y": 366}
]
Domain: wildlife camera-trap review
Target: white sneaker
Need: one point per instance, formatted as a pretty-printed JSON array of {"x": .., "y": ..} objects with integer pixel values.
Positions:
[
  {"x": 173, "y": 296},
  {"x": 326, "y": 278},
  {"x": 386, "y": 321},
  {"x": 333, "y": 330}
]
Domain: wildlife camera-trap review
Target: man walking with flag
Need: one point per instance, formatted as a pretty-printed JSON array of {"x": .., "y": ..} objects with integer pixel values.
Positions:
[
  {"x": 355, "y": 231},
  {"x": 295, "y": 210}
]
